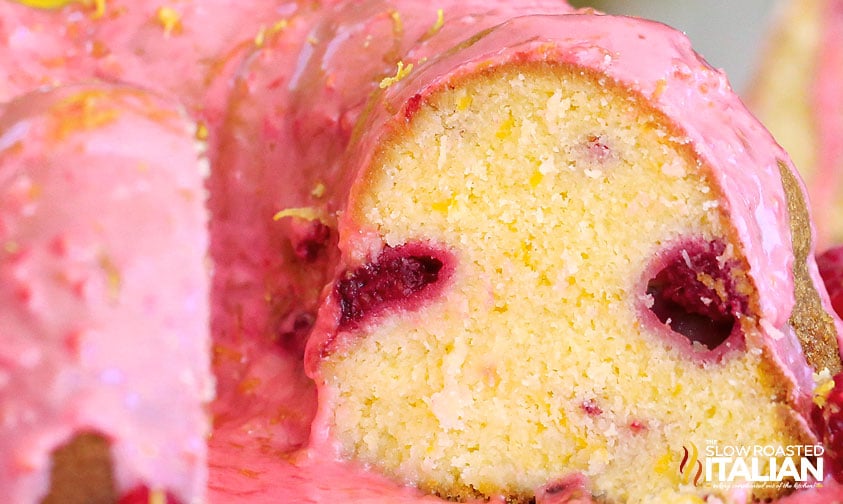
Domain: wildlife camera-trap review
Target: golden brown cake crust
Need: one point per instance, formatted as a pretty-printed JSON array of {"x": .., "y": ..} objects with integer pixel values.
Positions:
[
  {"x": 814, "y": 327},
  {"x": 81, "y": 472}
]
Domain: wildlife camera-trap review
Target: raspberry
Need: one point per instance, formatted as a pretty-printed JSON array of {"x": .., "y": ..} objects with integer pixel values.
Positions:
[
  {"x": 591, "y": 408},
  {"x": 571, "y": 489},
  {"x": 398, "y": 276},
  {"x": 830, "y": 264},
  {"x": 142, "y": 495},
  {"x": 597, "y": 148},
  {"x": 695, "y": 293},
  {"x": 309, "y": 243}
]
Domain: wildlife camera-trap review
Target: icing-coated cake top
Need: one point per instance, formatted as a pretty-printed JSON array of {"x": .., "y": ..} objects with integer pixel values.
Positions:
[{"x": 103, "y": 288}]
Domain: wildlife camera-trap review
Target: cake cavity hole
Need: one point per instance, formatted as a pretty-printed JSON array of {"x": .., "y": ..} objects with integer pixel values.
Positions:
[
  {"x": 400, "y": 278},
  {"x": 694, "y": 293}
]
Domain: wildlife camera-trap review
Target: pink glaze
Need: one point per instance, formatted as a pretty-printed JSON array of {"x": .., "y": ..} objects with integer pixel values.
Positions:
[
  {"x": 827, "y": 101},
  {"x": 103, "y": 288},
  {"x": 300, "y": 90},
  {"x": 187, "y": 48}
]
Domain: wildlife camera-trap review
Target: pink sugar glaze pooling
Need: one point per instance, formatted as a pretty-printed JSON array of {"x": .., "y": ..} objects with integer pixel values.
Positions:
[
  {"x": 104, "y": 309},
  {"x": 187, "y": 48}
]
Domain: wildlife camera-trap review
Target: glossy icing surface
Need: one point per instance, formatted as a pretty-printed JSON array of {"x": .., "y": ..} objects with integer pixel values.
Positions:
[
  {"x": 103, "y": 288},
  {"x": 283, "y": 137},
  {"x": 187, "y": 49}
]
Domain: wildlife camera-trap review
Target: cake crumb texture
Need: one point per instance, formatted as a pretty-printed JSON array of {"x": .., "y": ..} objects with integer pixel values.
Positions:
[{"x": 556, "y": 192}]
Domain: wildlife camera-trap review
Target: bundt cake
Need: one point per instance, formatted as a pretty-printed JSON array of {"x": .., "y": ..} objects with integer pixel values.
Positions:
[
  {"x": 553, "y": 258},
  {"x": 796, "y": 93},
  {"x": 551, "y": 270},
  {"x": 104, "y": 344}
]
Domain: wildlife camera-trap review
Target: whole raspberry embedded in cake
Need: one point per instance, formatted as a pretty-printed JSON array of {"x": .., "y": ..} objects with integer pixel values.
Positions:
[{"x": 400, "y": 277}]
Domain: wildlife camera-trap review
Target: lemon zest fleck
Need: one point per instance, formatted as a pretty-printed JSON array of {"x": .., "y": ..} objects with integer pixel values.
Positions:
[
  {"x": 113, "y": 280},
  {"x": 201, "y": 131},
  {"x": 260, "y": 37},
  {"x": 268, "y": 31},
  {"x": 400, "y": 74},
  {"x": 99, "y": 8},
  {"x": 249, "y": 473},
  {"x": 170, "y": 20},
  {"x": 318, "y": 190},
  {"x": 82, "y": 111},
  {"x": 465, "y": 102},
  {"x": 825, "y": 384},
  {"x": 249, "y": 385},
  {"x": 440, "y": 21},
  {"x": 306, "y": 213},
  {"x": 98, "y": 5},
  {"x": 279, "y": 25},
  {"x": 505, "y": 129},
  {"x": 397, "y": 23},
  {"x": 45, "y": 4}
]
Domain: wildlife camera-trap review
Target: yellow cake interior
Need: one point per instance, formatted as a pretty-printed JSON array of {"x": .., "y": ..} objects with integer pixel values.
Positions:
[{"x": 554, "y": 192}]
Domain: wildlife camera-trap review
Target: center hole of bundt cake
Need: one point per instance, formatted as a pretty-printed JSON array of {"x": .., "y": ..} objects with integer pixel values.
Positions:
[
  {"x": 695, "y": 293},
  {"x": 397, "y": 279}
]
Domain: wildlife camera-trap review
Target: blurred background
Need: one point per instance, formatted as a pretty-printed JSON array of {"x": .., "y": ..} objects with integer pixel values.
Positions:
[{"x": 729, "y": 34}]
